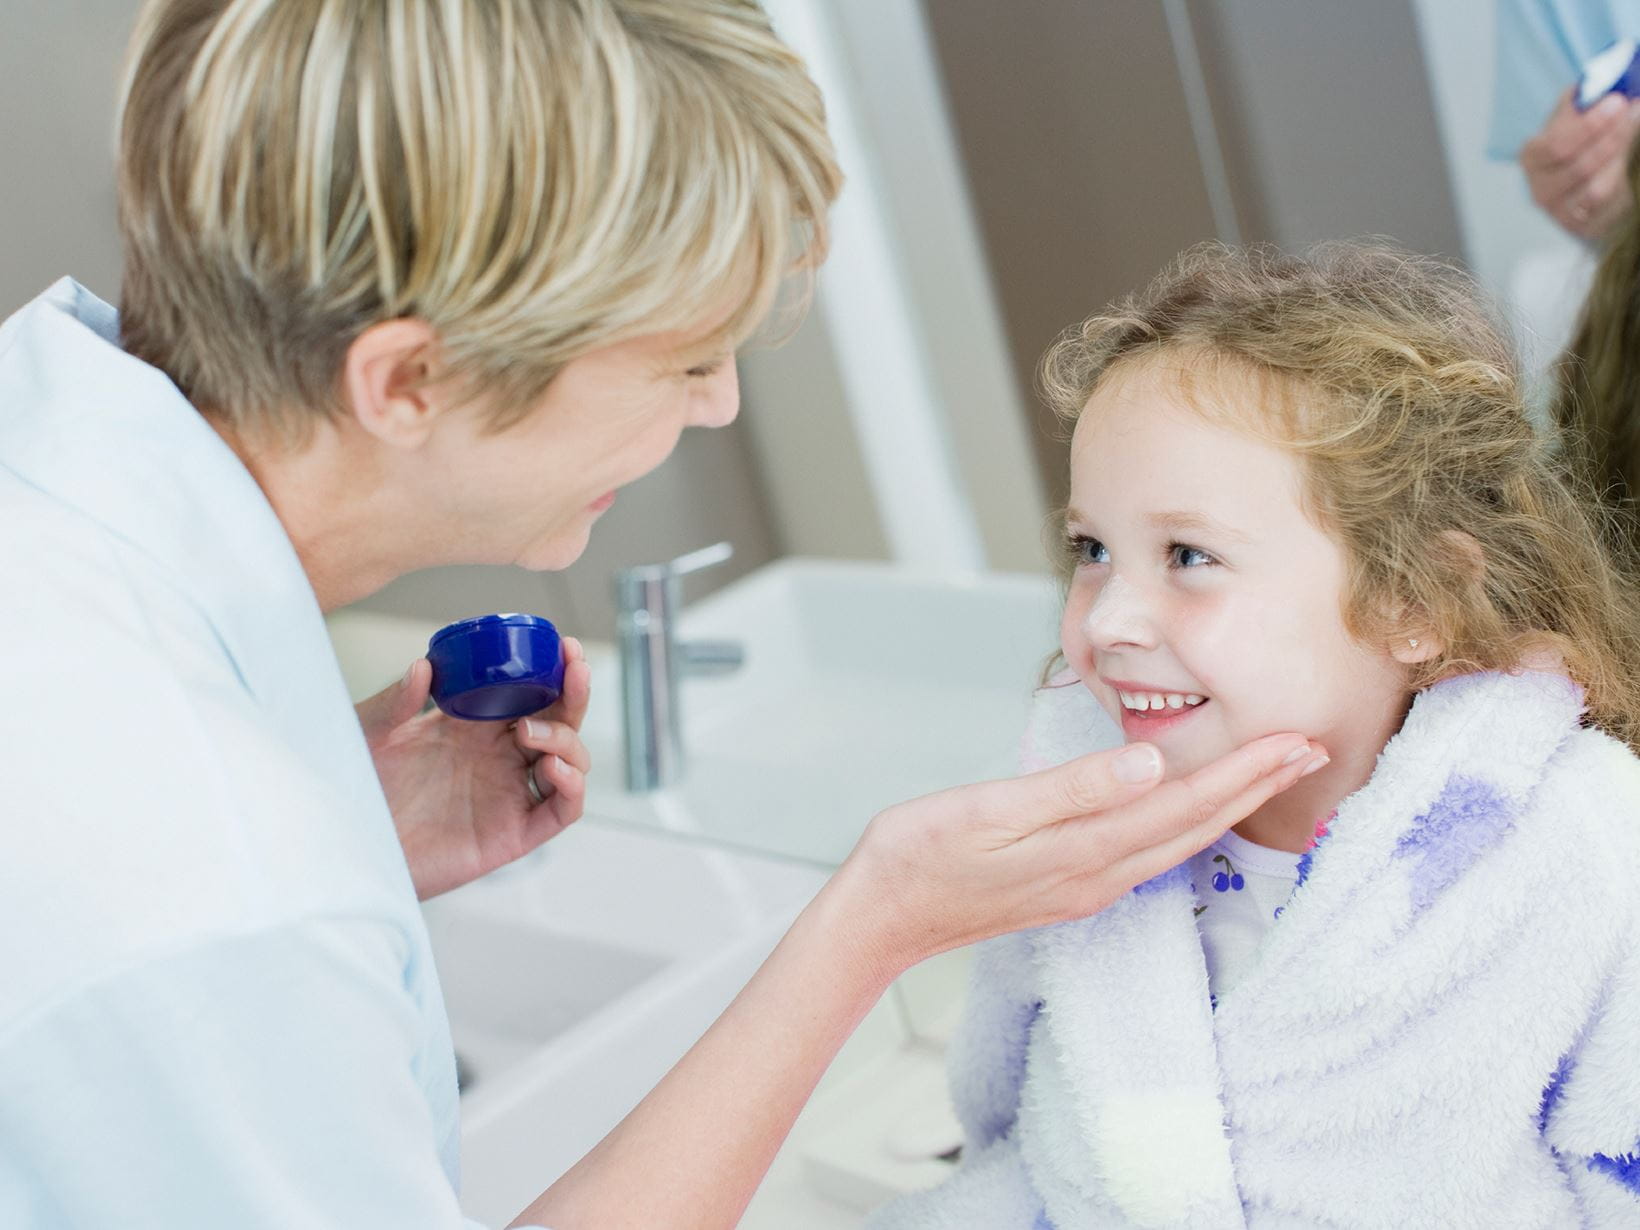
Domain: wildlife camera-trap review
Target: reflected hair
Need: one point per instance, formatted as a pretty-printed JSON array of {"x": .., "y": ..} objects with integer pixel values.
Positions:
[
  {"x": 1597, "y": 399},
  {"x": 1393, "y": 384},
  {"x": 533, "y": 178}
]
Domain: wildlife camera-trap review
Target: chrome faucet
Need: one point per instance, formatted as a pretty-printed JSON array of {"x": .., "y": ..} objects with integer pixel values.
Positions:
[{"x": 654, "y": 662}]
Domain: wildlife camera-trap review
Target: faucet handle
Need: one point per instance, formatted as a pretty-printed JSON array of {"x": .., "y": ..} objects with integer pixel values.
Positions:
[
  {"x": 649, "y": 585},
  {"x": 705, "y": 557},
  {"x": 694, "y": 561},
  {"x": 711, "y": 657}
]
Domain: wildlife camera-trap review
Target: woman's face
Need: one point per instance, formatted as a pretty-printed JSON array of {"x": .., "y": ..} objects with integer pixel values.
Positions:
[
  {"x": 529, "y": 495},
  {"x": 1206, "y": 607}
]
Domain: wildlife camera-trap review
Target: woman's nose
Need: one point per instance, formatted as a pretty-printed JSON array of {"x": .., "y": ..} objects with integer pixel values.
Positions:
[
  {"x": 716, "y": 398},
  {"x": 1119, "y": 617}
]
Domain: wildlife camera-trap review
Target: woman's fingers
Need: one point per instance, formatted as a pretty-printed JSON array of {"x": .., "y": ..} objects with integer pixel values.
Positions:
[
  {"x": 397, "y": 703},
  {"x": 549, "y": 738},
  {"x": 1234, "y": 786},
  {"x": 1110, "y": 851},
  {"x": 1607, "y": 199},
  {"x": 559, "y": 760},
  {"x": 569, "y": 781},
  {"x": 1217, "y": 808},
  {"x": 1085, "y": 788},
  {"x": 1019, "y": 806},
  {"x": 571, "y": 707},
  {"x": 1600, "y": 138},
  {"x": 1577, "y": 164},
  {"x": 975, "y": 861},
  {"x": 564, "y": 788}
]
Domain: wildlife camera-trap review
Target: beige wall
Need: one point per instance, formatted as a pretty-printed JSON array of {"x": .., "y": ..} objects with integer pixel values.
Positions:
[
  {"x": 1331, "y": 125},
  {"x": 904, "y": 109},
  {"x": 797, "y": 426},
  {"x": 1084, "y": 167},
  {"x": 1079, "y": 156},
  {"x": 59, "y": 62}
]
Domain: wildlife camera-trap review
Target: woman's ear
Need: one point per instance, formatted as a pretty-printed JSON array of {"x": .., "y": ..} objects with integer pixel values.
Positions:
[{"x": 387, "y": 382}]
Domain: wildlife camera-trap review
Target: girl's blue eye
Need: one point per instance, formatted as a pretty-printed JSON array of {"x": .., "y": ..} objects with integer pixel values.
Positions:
[
  {"x": 1085, "y": 550},
  {"x": 1180, "y": 555}
]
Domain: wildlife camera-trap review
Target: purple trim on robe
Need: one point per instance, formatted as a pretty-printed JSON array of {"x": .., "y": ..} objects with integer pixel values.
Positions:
[
  {"x": 1625, "y": 1169},
  {"x": 1010, "y": 1074},
  {"x": 1451, "y": 836},
  {"x": 1551, "y": 1091},
  {"x": 1168, "y": 879}
]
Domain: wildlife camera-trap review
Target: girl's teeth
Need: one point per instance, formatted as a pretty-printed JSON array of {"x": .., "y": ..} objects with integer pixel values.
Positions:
[{"x": 1149, "y": 702}]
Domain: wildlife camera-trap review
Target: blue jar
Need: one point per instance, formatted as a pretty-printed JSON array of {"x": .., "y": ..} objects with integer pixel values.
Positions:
[{"x": 496, "y": 667}]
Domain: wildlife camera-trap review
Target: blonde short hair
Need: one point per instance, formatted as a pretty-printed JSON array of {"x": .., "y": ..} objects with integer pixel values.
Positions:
[{"x": 532, "y": 178}]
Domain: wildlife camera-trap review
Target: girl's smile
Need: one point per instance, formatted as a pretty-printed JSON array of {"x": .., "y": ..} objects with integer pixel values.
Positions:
[{"x": 1147, "y": 711}]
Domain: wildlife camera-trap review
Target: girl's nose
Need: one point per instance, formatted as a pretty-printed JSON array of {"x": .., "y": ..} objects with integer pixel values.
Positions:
[{"x": 1119, "y": 617}]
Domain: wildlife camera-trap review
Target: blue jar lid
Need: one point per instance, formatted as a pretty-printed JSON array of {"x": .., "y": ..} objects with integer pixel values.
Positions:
[{"x": 496, "y": 668}]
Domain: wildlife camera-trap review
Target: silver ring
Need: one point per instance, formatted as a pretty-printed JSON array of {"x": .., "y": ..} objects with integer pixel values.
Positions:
[{"x": 536, "y": 797}]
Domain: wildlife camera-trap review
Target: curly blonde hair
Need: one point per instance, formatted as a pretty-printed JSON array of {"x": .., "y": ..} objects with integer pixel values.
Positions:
[{"x": 1399, "y": 393}]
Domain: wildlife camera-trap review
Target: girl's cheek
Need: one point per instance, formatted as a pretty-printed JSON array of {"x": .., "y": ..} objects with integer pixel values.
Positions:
[
  {"x": 1215, "y": 626},
  {"x": 1073, "y": 641}
]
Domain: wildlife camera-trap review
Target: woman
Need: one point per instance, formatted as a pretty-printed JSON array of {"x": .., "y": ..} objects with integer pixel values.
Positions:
[{"x": 408, "y": 282}]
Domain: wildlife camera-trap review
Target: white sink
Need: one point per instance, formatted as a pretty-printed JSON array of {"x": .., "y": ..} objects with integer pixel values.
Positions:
[
  {"x": 553, "y": 982},
  {"x": 576, "y": 978},
  {"x": 863, "y": 685}
]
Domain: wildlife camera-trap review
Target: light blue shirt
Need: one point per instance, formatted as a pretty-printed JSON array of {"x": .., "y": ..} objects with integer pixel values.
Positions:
[
  {"x": 218, "y": 1006},
  {"x": 1541, "y": 49}
]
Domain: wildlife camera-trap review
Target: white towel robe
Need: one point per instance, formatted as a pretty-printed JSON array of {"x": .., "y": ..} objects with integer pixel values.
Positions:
[{"x": 1441, "y": 1030}]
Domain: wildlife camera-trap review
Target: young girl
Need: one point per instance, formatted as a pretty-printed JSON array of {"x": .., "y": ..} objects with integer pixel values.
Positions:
[{"x": 1406, "y": 992}]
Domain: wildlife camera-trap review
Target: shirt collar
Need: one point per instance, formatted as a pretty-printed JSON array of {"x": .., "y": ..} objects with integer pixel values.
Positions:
[{"x": 111, "y": 436}]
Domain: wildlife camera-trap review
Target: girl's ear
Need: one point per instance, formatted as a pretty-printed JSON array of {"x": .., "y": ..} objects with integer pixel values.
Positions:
[
  {"x": 1411, "y": 650},
  {"x": 1461, "y": 555}
]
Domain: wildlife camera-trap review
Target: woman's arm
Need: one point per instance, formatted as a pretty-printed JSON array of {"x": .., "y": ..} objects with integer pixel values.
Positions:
[{"x": 928, "y": 875}]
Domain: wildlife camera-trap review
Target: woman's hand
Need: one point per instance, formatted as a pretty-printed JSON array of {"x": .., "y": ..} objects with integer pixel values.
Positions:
[
  {"x": 928, "y": 875},
  {"x": 1577, "y": 164},
  {"x": 457, "y": 789},
  {"x": 975, "y": 861}
]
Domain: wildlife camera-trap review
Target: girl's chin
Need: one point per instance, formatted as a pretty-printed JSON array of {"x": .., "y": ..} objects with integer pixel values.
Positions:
[{"x": 1183, "y": 751}]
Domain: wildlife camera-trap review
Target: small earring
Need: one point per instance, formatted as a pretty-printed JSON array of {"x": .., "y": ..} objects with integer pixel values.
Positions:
[{"x": 1413, "y": 641}]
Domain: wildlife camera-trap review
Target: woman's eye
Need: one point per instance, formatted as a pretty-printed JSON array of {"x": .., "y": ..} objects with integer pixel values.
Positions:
[
  {"x": 1084, "y": 550},
  {"x": 701, "y": 370},
  {"x": 1181, "y": 556}
]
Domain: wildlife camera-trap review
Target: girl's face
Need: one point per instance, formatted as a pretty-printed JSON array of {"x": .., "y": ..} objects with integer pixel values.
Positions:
[{"x": 1206, "y": 607}]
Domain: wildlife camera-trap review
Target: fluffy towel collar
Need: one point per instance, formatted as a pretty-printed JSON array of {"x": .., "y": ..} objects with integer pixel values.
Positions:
[{"x": 1122, "y": 1101}]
